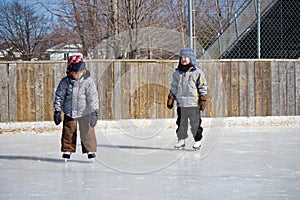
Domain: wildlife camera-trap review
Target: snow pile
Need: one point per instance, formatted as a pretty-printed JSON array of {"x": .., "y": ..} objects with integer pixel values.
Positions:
[{"x": 135, "y": 124}]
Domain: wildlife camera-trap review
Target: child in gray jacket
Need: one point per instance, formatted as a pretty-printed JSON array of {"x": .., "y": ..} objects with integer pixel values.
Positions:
[
  {"x": 77, "y": 97},
  {"x": 188, "y": 89}
]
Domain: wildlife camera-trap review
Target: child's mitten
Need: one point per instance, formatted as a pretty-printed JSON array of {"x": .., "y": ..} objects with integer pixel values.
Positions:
[
  {"x": 202, "y": 103},
  {"x": 57, "y": 117},
  {"x": 93, "y": 119},
  {"x": 170, "y": 101}
]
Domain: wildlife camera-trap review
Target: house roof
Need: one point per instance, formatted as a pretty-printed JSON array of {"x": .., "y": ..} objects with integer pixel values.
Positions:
[{"x": 64, "y": 48}]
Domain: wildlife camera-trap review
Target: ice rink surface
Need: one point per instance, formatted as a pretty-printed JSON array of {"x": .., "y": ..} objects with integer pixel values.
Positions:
[{"x": 137, "y": 161}]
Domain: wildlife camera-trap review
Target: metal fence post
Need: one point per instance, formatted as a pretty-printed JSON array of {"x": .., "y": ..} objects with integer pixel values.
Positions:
[
  {"x": 190, "y": 24},
  {"x": 258, "y": 29}
]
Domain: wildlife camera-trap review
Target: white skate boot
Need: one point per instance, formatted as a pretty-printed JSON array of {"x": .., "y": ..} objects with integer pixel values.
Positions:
[
  {"x": 197, "y": 145},
  {"x": 180, "y": 144}
]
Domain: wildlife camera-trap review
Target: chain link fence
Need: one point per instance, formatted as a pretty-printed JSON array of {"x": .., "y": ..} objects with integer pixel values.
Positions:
[{"x": 279, "y": 33}]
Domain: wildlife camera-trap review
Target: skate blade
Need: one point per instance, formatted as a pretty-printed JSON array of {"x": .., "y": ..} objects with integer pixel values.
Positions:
[
  {"x": 179, "y": 148},
  {"x": 196, "y": 148}
]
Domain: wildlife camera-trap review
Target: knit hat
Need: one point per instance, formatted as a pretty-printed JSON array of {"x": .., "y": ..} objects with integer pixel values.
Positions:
[
  {"x": 75, "y": 64},
  {"x": 188, "y": 52}
]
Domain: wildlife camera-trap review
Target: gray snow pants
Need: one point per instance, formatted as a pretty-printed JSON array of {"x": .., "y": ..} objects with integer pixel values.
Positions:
[
  {"x": 69, "y": 135},
  {"x": 183, "y": 115}
]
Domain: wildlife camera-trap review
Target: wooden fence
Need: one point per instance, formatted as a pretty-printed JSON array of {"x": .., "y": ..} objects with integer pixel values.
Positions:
[{"x": 137, "y": 89}]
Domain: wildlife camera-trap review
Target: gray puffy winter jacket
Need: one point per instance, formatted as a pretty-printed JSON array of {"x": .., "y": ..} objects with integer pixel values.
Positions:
[
  {"x": 187, "y": 86},
  {"x": 76, "y": 98}
]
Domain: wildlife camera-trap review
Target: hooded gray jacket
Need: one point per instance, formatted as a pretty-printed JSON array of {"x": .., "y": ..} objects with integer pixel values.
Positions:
[
  {"x": 187, "y": 86},
  {"x": 76, "y": 98}
]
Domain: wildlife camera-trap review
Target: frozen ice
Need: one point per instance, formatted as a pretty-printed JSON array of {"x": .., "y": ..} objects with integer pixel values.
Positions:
[{"x": 136, "y": 160}]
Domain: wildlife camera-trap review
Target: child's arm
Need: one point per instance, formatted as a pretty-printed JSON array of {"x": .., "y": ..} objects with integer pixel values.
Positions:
[
  {"x": 202, "y": 84},
  {"x": 174, "y": 85},
  {"x": 60, "y": 95},
  {"x": 93, "y": 101},
  {"x": 92, "y": 96},
  {"x": 173, "y": 91},
  {"x": 59, "y": 101},
  {"x": 202, "y": 90}
]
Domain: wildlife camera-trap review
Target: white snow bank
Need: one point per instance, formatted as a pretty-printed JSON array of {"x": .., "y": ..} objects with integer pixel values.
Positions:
[{"x": 49, "y": 126}]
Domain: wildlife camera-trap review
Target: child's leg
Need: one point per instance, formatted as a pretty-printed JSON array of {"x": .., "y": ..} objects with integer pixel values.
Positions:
[
  {"x": 182, "y": 123},
  {"x": 195, "y": 122},
  {"x": 87, "y": 135},
  {"x": 69, "y": 135}
]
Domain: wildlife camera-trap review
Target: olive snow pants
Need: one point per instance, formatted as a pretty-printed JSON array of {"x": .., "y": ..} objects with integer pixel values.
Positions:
[
  {"x": 183, "y": 115},
  {"x": 69, "y": 135}
]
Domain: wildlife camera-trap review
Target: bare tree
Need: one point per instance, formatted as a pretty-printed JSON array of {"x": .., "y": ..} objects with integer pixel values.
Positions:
[
  {"x": 224, "y": 15},
  {"x": 212, "y": 18},
  {"x": 22, "y": 28},
  {"x": 219, "y": 15},
  {"x": 177, "y": 17},
  {"x": 80, "y": 17},
  {"x": 115, "y": 28},
  {"x": 138, "y": 14},
  {"x": 125, "y": 19}
]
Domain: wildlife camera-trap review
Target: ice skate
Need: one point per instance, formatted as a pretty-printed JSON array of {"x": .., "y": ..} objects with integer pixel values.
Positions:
[
  {"x": 197, "y": 145},
  {"x": 180, "y": 144},
  {"x": 66, "y": 156},
  {"x": 91, "y": 156}
]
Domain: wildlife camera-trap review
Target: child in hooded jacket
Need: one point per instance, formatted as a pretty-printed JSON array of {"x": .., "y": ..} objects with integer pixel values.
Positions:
[
  {"x": 77, "y": 97},
  {"x": 189, "y": 90}
]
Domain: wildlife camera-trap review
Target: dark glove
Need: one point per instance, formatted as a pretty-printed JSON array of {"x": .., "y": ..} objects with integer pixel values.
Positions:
[
  {"x": 57, "y": 117},
  {"x": 202, "y": 103},
  {"x": 170, "y": 101},
  {"x": 93, "y": 119}
]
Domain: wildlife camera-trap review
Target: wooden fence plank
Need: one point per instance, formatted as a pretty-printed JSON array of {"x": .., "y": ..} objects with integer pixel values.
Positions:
[
  {"x": 126, "y": 92},
  {"x": 12, "y": 93},
  {"x": 19, "y": 91},
  {"x": 258, "y": 86},
  {"x": 243, "y": 88},
  {"x": 152, "y": 90},
  {"x": 282, "y": 88},
  {"x": 275, "y": 89},
  {"x": 4, "y": 87},
  {"x": 38, "y": 89},
  {"x": 216, "y": 106},
  {"x": 48, "y": 92},
  {"x": 135, "y": 97},
  {"x": 266, "y": 90},
  {"x": 109, "y": 90},
  {"x": 31, "y": 101},
  {"x": 143, "y": 91},
  {"x": 117, "y": 91},
  {"x": 251, "y": 90},
  {"x": 226, "y": 69},
  {"x": 160, "y": 91},
  {"x": 290, "y": 91},
  {"x": 234, "y": 100}
]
